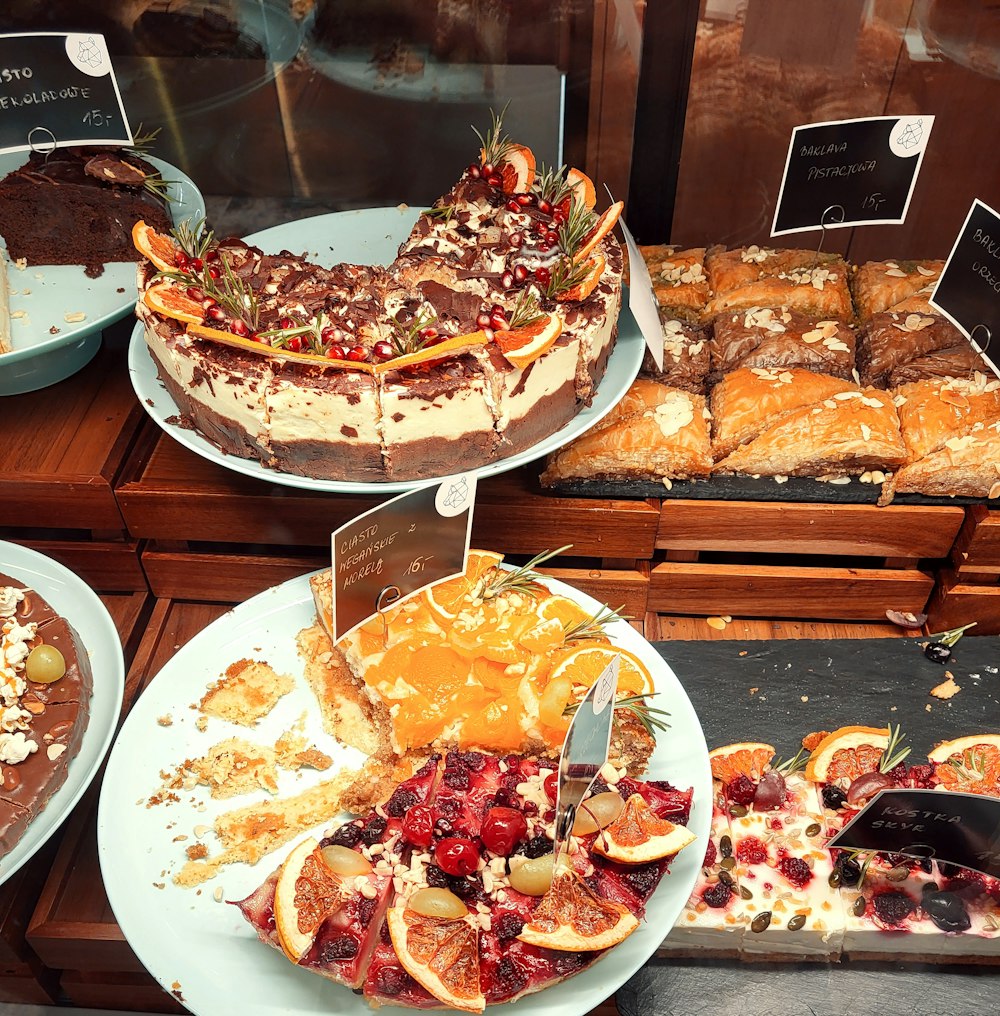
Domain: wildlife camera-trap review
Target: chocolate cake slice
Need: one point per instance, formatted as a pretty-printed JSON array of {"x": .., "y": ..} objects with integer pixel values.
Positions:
[{"x": 77, "y": 206}]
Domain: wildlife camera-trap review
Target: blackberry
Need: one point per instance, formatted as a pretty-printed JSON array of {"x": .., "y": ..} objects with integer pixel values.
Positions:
[
  {"x": 893, "y": 907},
  {"x": 566, "y": 963},
  {"x": 920, "y": 775},
  {"x": 511, "y": 976},
  {"x": 472, "y": 760},
  {"x": 435, "y": 877},
  {"x": 507, "y": 926},
  {"x": 374, "y": 830},
  {"x": 348, "y": 835},
  {"x": 456, "y": 777},
  {"x": 537, "y": 846},
  {"x": 833, "y": 797},
  {"x": 366, "y": 911},
  {"x": 642, "y": 880},
  {"x": 718, "y": 895},
  {"x": 448, "y": 808},
  {"x": 384, "y": 933},
  {"x": 391, "y": 981},
  {"x": 599, "y": 787},
  {"x": 505, "y": 799},
  {"x": 400, "y": 802},
  {"x": 741, "y": 790},
  {"x": 341, "y": 948},
  {"x": 795, "y": 870}
]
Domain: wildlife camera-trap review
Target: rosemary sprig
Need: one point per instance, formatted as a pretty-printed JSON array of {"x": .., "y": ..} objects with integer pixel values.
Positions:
[
  {"x": 564, "y": 275},
  {"x": 228, "y": 290},
  {"x": 526, "y": 311},
  {"x": 895, "y": 752},
  {"x": 551, "y": 185},
  {"x": 495, "y": 143},
  {"x": 194, "y": 241},
  {"x": 593, "y": 627},
  {"x": 521, "y": 579},
  {"x": 442, "y": 212},
  {"x": 407, "y": 338},
  {"x": 793, "y": 765},
  {"x": 971, "y": 766},
  {"x": 649, "y": 716},
  {"x": 141, "y": 143},
  {"x": 853, "y": 855},
  {"x": 580, "y": 221},
  {"x": 952, "y": 635},
  {"x": 158, "y": 187},
  {"x": 312, "y": 332}
]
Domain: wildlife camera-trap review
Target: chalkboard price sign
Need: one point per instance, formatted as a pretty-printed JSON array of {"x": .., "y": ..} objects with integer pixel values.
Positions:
[
  {"x": 59, "y": 88},
  {"x": 850, "y": 172},
  {"x": 399, "y": 548}
]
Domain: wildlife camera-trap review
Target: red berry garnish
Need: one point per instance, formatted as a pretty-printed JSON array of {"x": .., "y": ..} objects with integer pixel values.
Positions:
[
  {"x": 507, "y": 280},
  {"x": 488, "y": 169},
  {"x": 544, "y": 207},
  {"x": 418, "y": 825},
  {"x": 286, "y": 322},
  {"x": 474, "y": 171},
  {"x": 543, "y": 275},
  {"x": 239, "y": 327},
  {"x": 525, "y": 199},
  {"x": 512, "y": 206},
  {"x": 383, "y": 350},
  {"x": 483, "y": 320},
  {"x": 428, "y": 333},
  {"x": 336, "y": 352},
  {"x": 741, "y": 790},
  {"x": 499, "y": 323},
  {"x": 551, "y": 238},
  {"x": 520, "y": 273},
  {"x": 893, "y": 907},
  {"x": 558, "y": 218},
  {"x": 215, "y": 313},
  {"x": 213, "y": 272},
  {"x": 711, "y": 853},
  {"x": 494, "y": 180},
  {"x": 564, "y": 207},
  {"x": 295, "y": 344},
  {"x": 503, "y": 829},
  {"x": 331, "y": 334},
  {"x": 195, "y": 293},
  {"x": 751, "y": 850},
  {"x": 516, "y": 240},
  {"x": 795, "y": 870},
  {"x": 718, "y": 895},
  {"x": 212, "y": 255},
  {"x": 181, "y": 259},
  {"x": 358, "y": 354},
  {"x": 196, "y": 264},
  {"x": 551, "y": 786},
  {"x": 456, "y": 856}
]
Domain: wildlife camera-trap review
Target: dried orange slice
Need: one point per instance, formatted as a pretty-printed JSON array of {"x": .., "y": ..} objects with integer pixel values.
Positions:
[
  {"x": 571, "y": 918},
  {"x": 171, "y": 301},
  {"x": 585, "y": 664},
  {"x": 810, "y": 741},
  {"x": 306, "y": 894},
  {"x": 238, "y": 342},
  {"x": 588, "y": 284},
  {"x": 969, "y": 764},
  {"x": 441, "y": 954},
  {"x": 155, "y": 247},
  {"x": 602, "y": 227},
  {"x": 450, "y": 347},
  {"x": 749, "y": 758},
  {"x": 638, "y": 835},
  {"x": 517, "y": 169},
  {"x": 583, "y": 188},
  {"x": 847, "y": 753},
  {"x": 524, "y": 345}
]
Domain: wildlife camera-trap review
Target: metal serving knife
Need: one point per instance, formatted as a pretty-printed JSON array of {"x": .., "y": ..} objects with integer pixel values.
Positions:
[{"x": 584, "y": 752}]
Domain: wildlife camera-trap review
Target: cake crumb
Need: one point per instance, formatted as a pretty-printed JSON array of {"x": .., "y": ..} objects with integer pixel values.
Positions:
[
  {"x": 803, "y": 698},
  {"x": 927, "y": 708},
  {"x": 159, "y": 885},
  {"x": 165, "y": 721},
  {"x": 946, "y": 689},
  {"x": 717, "y": 623},
  {"x": 753, "y": 691},
  {"x": 200, "y": 830},
  {"x": 247, "y": 691},
  {"x": 196, "y": 852},
  {"x": 218, "y": 894},
  {"x": 235, "y": 766},
  {"x": 201, "y": 723},
  {"x": 72, "y": 317},
  {"x": 21, "y": 264}
]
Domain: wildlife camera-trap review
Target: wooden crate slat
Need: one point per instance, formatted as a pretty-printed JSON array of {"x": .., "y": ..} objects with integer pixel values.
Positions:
[
  {"x": 907, "y": 531},
  {"x": 102, "y": 564},
  {"x": 774, "y": 591},
  {"x": 978, "y": 543},
  {"x": 628, "y": 588},
  {"x": 118, "y": 990},
  {"x": 956, "y": 603}
]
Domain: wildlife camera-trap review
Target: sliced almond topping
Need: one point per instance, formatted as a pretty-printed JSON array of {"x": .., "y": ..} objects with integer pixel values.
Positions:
[
  {"x": 812, "y": 336},
  {"x": 866, "y": 432},
  {"x": 896, "y": 273},
  {"x": 926, "y": 272}
]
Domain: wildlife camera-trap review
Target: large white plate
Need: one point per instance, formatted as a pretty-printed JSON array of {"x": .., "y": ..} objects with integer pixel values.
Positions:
[
  {"x": 370, "y": 236},
  {"x": 207, "y": 947},
  {"x": 40, "y": 358},
  {"x": 74, "y": 600}
]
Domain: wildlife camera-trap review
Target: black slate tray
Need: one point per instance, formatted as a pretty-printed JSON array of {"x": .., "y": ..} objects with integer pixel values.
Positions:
[{"x": 746, "y": 488}]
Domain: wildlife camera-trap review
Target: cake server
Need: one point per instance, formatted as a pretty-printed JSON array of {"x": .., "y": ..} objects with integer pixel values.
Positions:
[{"x": 584, "y": 751}]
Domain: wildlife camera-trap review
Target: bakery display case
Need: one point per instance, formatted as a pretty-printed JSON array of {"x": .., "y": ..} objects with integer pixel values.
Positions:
[{"x": 797, "y": 512}]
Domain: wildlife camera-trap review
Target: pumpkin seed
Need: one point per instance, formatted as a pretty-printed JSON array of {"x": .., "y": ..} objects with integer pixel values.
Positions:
[
  {"x": 728, "y": 863},
  {"x": 745, "y": 893},
  {"x": 797, "y": 922},
  {"x": 738, "y": 810},
  {"x": 930, "y": 887},
  {"x": 834, "y": 878},
  {"x": 898, "y": 874},
  {"x": 859, "y": 907},
  {"x": 724, "y": 876},
  {"x": 814, "y": 829},
  {"x": 761, "y": 921},
  {"x": 726, "y": 846}
]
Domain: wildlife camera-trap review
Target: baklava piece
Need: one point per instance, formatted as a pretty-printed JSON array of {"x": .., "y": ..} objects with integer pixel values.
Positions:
[
  {"x": 878, "y": 286},
  {"x": 679, "y": 280},
  {"x": 685, "y": 357}
]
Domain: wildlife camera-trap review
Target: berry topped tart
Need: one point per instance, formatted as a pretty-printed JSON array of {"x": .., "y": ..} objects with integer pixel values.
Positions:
[{"x": 488, "y": 333}]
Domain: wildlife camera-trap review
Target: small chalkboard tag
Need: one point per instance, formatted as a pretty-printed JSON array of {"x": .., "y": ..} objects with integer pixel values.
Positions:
[
  {"x": 399, "y": 548},
  {"x": 850, "y": 172},
  {"x": 963, "y": 829},
  {"x": 968, "y": 291},
  {"x": 59, "y": 88},
  {"x": 641, "y": 301}
]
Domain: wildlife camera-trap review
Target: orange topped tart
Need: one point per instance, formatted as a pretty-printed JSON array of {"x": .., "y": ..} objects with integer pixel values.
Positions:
[
  {"x": 489, "y": 331},
  {"x": 490, "y": 660}
]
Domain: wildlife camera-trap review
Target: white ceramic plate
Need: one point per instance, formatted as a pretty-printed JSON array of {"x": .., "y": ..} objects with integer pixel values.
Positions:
[
  {"x": 207, "y": 947},
  {"x": 74, "y": 600},
  {"x": 370, "y": 236},
  {"x": 40, "y": 358}
]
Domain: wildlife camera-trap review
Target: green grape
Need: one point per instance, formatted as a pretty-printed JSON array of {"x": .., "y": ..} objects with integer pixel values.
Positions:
[{"x": 45, "y": 664}]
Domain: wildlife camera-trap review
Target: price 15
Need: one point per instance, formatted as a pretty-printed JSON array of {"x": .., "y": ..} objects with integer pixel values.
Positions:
[{"x": 98, "y": 118}]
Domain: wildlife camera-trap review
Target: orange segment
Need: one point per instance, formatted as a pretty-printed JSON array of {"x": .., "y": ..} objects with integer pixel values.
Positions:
[
  {"x": 445, "y": 598},
  {"x": 571, "y": 918},
  {"x": 847, "y": 753},
  {"x": 518, "y": 169},
  {"x": 306, "y": 894},
  {"x": 602, "y": 227},
  {"x": 969, "y": 764},
  {"x": 566, "y": 611},
  {"x": 521, "y": 346},
  {"x": 588, "y": 284},
  {"x": 748, "y": 759},
  {"x": 450, "y": 347},
  {"x": 638, "y": 836},
  {"x": 585, "y": 664},
  {"x": 497, "y": 725},
  {"x": 171, "y": 301},
  {"x": 583, "y": 188},
  {"x": 441, "y": 954},
  {"x": 155, "y": 247}
]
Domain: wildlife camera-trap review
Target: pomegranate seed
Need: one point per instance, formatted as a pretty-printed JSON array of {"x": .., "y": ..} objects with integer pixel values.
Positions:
[
  {"x": 497, "y": 309},
  {"x": 209, "y": 301},
  {"x": 428, "y": 333},
  {"x": 286, "y": 322},
  {"x": 564, "y": 206},
  {"x": 552, "y": 239},
  {"x": 499, "y": 323},
  {"x": 337, "y": 352},
  {"x": 294, "y": 344},
  {"x": 383, "y": 351},
  {"x": 512, "y": 206},
  {"x": 358, "y": 354},
  {"x": 525, "y": 199},
  {"x": 558, "y": 218},
  {"x": 494, "y": 180},
  {"x": 483, "y": 320},
  {"x": 488, "y": 332},
  {"x": 488, "y": 169},
  {"x": 196, "y": 264},
  {"x": 212, "y": 255},
  {"x": 474, "y": 171},
  {"x": 213, "y": 272},
  {"x": 215, "y": 312},
  {"x": 516, "y": 240},
  {"x": 543, "y": 275},
  {"x": 239, "y": 327},
  {"x": 181, "y": 259},
  {"x": 195, "y": 293},
  {"x": 331, "y": 334},
  {"x": 520, "y": 273},
  {"x": 262, "y": 339},
  {"x": 544, "y": 207},
  {"x": 507, "y": 280}
]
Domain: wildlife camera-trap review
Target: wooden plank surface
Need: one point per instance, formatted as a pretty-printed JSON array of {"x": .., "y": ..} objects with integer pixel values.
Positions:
[
  {"x": 111, "y": 565},
  {"x": 956, "y": 603},
  {"x": 978, "y": 542},
  {"x": 776, "y": 591},
  {"x": 910, "y": 531}
]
